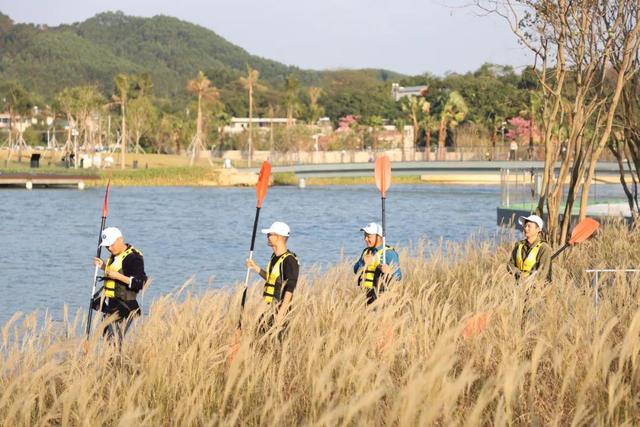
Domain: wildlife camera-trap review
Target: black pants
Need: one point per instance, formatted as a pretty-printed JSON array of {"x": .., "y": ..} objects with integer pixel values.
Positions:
[
  {"x": 371, "y": 295},
  {"x": 125, "y": 312},
  {"x": 374, "y": 292},
  {"x": 116, "y": 330},
  {"x": 266, "y": 322}
]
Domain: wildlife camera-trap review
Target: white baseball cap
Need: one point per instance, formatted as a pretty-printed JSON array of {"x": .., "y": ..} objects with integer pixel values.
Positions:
[
  {"x": 372, "y": 228},
  {"x": 531, "y": 218},
  {"x": 279, "y": 228},
  {"x": 110, "y": 235}
]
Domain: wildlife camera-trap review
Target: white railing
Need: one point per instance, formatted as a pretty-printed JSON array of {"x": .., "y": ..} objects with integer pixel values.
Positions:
[{"x": 595, "y": 284}]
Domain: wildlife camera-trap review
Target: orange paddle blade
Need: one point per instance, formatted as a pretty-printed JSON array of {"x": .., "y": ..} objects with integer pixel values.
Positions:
[
  {"x": 583, "y": 230},
  {"x": 263, "y": 182},
  {"x": 383, "y": 174},
  {"x": 476, "y": 325},
  {"x": 105, "y": 205}
]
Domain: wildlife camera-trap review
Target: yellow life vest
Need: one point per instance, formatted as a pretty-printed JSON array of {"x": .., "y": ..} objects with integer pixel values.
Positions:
[
  {"x": 526, "y": 265},
  {"x": 115, "y": 288},
  {"x": 371, "y": 273},
  {"x": 273, "y": 275}
]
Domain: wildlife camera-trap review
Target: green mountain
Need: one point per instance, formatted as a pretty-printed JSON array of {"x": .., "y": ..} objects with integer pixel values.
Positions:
[
  {"x": 45, "y": 60},
  {"x": 48, "y": 59}
]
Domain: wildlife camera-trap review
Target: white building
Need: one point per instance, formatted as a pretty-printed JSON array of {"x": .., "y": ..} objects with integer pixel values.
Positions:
[
  {"x": 398, "y": 92},
  {"x": 240, "y": 124},
  {"x": 5, "y": 121},
  {"x": 19, "y": 123}
]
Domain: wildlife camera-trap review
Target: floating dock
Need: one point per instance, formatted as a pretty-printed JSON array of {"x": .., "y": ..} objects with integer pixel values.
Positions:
[
  {"x": 599, "y": 210},
  {"x": 29, "y": 181}
]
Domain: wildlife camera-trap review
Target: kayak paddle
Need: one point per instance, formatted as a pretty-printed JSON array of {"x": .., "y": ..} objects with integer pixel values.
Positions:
[
  {"x": 476, "y": 324},
  {"x": 383, "y": 182},
  {"x": 580, "y": 233},
  {"x": 261, "y": 192},
  {"x": 105, "y": 209}
]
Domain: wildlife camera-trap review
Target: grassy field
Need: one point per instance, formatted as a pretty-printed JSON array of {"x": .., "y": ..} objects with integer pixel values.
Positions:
[
  {"x": 157, "y": 176},
  {"x": 546, "y": 358},
  {"x": 152, "y": 170},
  {"x": 166, "y": 175}
]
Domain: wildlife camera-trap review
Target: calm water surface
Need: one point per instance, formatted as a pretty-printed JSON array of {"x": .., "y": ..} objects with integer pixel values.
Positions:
[{"x": 47, "y": 237}]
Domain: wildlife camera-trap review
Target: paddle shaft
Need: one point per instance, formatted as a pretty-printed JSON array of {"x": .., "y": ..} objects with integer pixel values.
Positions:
[
  {"x": 246, "y": 280},
  {"x": 384, "y": 233},
  {"x": 559, "y": 251},
  {"x": 95, "y": 278}
]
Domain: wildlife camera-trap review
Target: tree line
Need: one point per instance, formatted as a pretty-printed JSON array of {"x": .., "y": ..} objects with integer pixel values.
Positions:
[
  {"x": 484, "y": 98},
  {"x": 584, "y": 95}
]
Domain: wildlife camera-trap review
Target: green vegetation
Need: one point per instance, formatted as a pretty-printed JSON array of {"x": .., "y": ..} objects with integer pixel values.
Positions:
[
  {"x": 158, "y": 176},
  {"x": 21, "y": 169},
  {"x": 157, "y": 56},
  {"x": 547, "y": 356},
  {"x": 194, "y": 176},
  {"x": 95, "y": 50},
  {"x": 168, "y": 176},
  {"x": 284, "y": 178}
]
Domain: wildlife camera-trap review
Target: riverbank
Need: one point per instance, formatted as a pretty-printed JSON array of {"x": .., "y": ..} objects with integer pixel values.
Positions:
[
  {"x": 551, "y": 361},
  {"x": 171, "y": 170},
  {"x": 194, "y": 176}
]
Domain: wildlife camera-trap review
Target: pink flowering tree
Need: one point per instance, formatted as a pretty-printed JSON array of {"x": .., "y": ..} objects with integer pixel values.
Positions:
[
  {"x": 347, "y": 122},
  {"x": 520, "y": 130}
]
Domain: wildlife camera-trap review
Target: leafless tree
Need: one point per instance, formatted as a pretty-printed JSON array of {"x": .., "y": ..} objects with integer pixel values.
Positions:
[{"x": 583, "y": 52}]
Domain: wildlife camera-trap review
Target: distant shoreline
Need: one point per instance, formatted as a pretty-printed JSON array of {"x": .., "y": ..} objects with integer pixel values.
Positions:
[
  {"x": 212, "y": 177},
  {"x": 204, "y": 175}
]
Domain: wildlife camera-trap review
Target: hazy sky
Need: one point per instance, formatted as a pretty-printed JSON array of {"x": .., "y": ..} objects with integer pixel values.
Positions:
[{"x": 409, "y": 36}]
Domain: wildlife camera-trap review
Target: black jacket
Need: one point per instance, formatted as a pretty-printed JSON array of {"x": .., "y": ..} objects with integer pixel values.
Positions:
[{"x": 132, "y": 266}]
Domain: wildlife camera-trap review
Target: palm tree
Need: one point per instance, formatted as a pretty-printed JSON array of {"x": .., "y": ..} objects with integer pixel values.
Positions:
[
  {"x": 78, "y": 103},
  {"x": 143, "y": 85},
  {"x": 222, "y": 120},
  {"x": 250, "y": 82},
  {"x": 123, "y": 85},
  {"x": 429, "y": 122},
  {"x": 142, "y": 116},
  {"x": 415, "y": 107},
  {"x": 201, "y": 86},
  {"x": 315, "y": 111},
  {"x": 454, "y": 112},
  {"x": 292, "y": 86},
  {"x": 17, "y": 101},
  {"x": 376, "y": 123}
]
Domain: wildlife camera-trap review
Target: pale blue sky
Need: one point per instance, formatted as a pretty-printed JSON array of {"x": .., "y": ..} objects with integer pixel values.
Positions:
[{"x": 409, "y": 36}]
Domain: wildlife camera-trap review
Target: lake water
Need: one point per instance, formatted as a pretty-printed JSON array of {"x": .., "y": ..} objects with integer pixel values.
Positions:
[{"x": 48, "y": 236}]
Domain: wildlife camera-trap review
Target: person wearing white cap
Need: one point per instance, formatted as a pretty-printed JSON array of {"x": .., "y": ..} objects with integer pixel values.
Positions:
[
  {"x": 532, "y": 254},
  {"x": 376, "y": 264},
  {"x": 124, "y": 277},
  {"x": 281, "y": 275}
]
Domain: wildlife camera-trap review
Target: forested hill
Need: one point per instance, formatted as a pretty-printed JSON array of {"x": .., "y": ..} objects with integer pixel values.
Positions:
[
  {"x": 41, "y": 61},
  {"x": 48, "y": 59}
]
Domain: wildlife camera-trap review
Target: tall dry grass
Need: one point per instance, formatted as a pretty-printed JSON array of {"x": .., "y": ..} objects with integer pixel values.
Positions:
[{"x": 546, "y": 358}]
